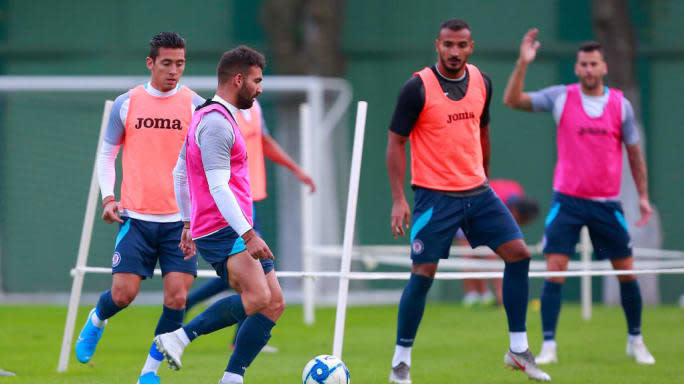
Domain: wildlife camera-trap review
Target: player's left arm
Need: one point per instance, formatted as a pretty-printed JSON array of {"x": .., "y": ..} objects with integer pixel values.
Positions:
[
  {"x": 277, "y": 154},
  {"x": 637, "y": 164}
]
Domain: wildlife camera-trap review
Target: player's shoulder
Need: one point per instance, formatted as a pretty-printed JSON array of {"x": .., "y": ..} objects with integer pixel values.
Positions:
[
  {"x": 413, "y": 85},
  {"x": 122, "y": 98}
]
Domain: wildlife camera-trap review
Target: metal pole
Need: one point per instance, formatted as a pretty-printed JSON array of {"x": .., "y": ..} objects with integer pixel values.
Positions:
[
  {"x": 585, "y": 252},
  {"x": 305, "y": 148}
]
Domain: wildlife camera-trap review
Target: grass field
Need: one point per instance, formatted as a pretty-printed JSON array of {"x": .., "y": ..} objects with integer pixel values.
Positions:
[{"x": 455, "y": 345}]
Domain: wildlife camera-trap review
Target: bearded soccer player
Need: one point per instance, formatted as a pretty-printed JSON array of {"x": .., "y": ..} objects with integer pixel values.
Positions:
[
  {"x": 444, "y": 112},
  {"x": 213, "y": 193},
  {"x": 593, "y": 123},
  {"x": 150, "y": 122},
  {"x": 259, "y": 144}
]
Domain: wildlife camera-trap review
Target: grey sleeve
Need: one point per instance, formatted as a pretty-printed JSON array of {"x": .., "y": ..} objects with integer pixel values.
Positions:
[
  {"x": 115, "y": 127},
  {"x": 544, "y": 99},
  {"x": 215, "y": 138},
  {"x": 197, "y": 100},
  {"x": 264, "y": 128},
  {"x": 630, "y": 132}
]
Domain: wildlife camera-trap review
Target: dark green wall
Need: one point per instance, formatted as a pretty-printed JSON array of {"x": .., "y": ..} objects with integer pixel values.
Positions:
[{"x": 47, "y": 144}]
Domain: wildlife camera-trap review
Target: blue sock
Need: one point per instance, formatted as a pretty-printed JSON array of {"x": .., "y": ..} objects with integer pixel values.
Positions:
[
  {"x": 411, "y": 308},
  {"x": 170, "y": 320},
  {"x": 630, "y": 296},
  {"x": 550, "y": 308},
  {"x": 253, "y": 335},
  {"x": 221, "y": 314},
  {"x": 205, "y": 291},
  {"x": 237, "y": 330},
  {"x": 106, "y": 307},
  {"x": 515, "y": 293}
]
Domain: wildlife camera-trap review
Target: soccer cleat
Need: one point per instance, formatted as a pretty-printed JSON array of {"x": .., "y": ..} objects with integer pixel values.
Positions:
[
  {"x": 487, "y": 299},
  {"x": 6, "y": 373},
  {"x": 148, "y": 378},
  {"x": 547, "y": 355},
  {"x": 269, "y": 349},
  {"x": 524, "y": 361},
  {"x": 470, "y": 299},
  {"x": 400, "y": 374},
  {"x": 638, "y": 350},
  {"x": 171, "y": 347},
  {"x": 87, "y": 339}
]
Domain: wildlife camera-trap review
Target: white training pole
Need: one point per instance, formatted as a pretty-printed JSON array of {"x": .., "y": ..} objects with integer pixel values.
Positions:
[
  {"x": 83, "y": 248},
  {"x": 585, "y": 252},
  {"x": 349, "y": 224},
  {"x": 305, "y": 149}
]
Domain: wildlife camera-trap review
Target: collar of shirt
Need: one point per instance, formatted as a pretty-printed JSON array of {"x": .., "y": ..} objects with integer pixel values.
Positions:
[
  {"x": 231, "y": 108},
  {"x": 157, "y": 93},
  {"x": 463, "y": 76}
]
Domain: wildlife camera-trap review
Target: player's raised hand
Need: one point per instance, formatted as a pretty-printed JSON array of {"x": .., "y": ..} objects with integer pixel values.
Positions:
[
  {"x": 529, "y": 46},
  {"x": 111, "y": 210},
  {"x": 307, "y": 180},
  {"x": 256, "y": 246},
  {"x": 646, "y": 212},
  {"x": 187, "y": 245},
  {"x": 401, "y": 216}
]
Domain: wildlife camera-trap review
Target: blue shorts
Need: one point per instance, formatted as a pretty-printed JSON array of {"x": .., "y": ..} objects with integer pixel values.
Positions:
[
  {"x": 605, "y": 220},
  {"x": 437, "y": 216},
  {"x": 140, "y": 243},
  {"x": 216, "y": 248}
]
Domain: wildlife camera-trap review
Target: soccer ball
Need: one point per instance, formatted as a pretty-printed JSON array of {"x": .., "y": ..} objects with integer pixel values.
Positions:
[{"x": 325, "y": 369}]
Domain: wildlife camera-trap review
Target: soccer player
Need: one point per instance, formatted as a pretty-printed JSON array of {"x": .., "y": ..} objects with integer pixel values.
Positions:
[
  {"x": 444, "y": 112},
  {"x": 150, "y": 121},
  {"x": 213, "y": 192},
  {"x": 259, "y": 144},
  {"x": 524, "y": 209},
  {"x": 593, "y": 123}
]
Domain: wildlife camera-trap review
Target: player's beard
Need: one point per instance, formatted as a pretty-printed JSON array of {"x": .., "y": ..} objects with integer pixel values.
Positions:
[
  {"x": 451, "y": 71},
  {"x": 245, "y": 100}
]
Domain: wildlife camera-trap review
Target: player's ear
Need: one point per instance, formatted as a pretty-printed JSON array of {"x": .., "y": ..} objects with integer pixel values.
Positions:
[{"x": 150, "y": 63}]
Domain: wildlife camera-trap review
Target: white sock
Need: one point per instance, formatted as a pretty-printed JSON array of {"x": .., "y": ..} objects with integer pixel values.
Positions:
[
  {"x": 151, "y": 365},
  {"x": 401, "y": 354},
  {"x": 635, "y": 339},
  {"x": 182, "y": 336},
  {"x": 96, "y": 320},
  {"x": 549, "y": 343},
  {"x": 231, "y": 378},
  {"x": 518, "y": 341}
]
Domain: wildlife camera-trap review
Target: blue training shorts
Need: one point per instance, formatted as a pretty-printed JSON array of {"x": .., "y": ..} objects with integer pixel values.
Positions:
[
  {"x": 437, "y": 216},
  {"x": 140, "y": 243},
  {"x": 605, "y": 220},
  {"x": 216, "y": 248}
]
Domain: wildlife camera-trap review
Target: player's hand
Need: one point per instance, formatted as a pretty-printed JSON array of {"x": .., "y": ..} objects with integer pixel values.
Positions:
[
  {"x": 401, "y": 215},
  {"x": 529, "y": 46},
  {"x": 186, "y": 245},
  {"x": 111, "y": 211},
  {"x": 307, "y": 180},
  {"x": 256, "y": 246},
  {"x": 646, "y": 212}
]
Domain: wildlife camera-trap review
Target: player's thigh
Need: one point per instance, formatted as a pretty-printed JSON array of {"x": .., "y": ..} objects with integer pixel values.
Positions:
[
  {"x": 176, "y": 287},
  {"x": 249, "y": 275},
  {"x": 608, "y": 231},
  {"x": 135, "y": 248},
  {"x": 488, "y": 222},
  {"x": 171, "y": 258},
  {"x": 217, "y": 248},
  {"x": 436, "y": 218},
  {"x": 563, "y": 224}
]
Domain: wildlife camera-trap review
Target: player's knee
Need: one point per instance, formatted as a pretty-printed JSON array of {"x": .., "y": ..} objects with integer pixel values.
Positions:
[
  {"x": 626, "y": 278},
  {"x": 124, "y": 296},
  {"x": 277, "y": 305},
  {"x": 257, "y": 300},
  {"x": 424, "y": 269},
  {"x": 175, "y": 300},
  {"x": 556, "y": 279}
]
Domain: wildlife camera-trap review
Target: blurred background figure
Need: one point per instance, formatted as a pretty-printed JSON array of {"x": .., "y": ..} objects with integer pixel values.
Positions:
[{"x": 476, "y": 292}]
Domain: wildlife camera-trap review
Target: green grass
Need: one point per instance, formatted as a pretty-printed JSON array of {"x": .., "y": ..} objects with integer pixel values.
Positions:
[{"x": 454, "y": 345}]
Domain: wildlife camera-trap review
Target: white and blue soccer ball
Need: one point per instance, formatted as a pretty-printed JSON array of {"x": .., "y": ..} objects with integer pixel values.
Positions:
[{"x": 325, "y": 369}]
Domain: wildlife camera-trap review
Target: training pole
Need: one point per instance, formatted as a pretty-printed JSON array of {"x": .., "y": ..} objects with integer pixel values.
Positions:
[
  {"x": 349, "y": 225},
  {"x": 83, "y": 248},
  {"x": 306, "y": 160}
]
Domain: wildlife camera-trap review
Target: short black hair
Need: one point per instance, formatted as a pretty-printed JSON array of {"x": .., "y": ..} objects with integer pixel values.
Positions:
[
  {"x": 590, "y": 46},
  {"x": 455, "y": 25},
  {"x": 238, "y": 60},
  {"x": 165, "y": 40},
  {"x": 526, "y": 207}
]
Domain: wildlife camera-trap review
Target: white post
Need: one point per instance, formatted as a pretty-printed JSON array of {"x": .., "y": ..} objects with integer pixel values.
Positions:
[
  {"x": 349, "y": 225},
  {"x": 305, "y": 148},
  {"x": 585, "y": 252},
  {"x": 83, "y": 248}
]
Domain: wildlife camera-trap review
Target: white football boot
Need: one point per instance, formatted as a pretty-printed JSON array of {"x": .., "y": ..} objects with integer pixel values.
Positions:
[
  {"x": 547, "y": 355},
  {"x": 524, "y": 361},
  {"x": 170, "y": 345},
  {"x": 637, "y": 349}
]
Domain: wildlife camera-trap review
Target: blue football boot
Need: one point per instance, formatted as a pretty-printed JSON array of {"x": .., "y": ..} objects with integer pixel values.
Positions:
[
  {"x": 148, "y": 378},
  {"x": 87, "y": 339}
]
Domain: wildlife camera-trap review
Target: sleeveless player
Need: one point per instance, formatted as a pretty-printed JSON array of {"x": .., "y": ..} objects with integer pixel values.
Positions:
[
  {"x": 593, "y": 123},
  {"x": 443, "y": 111}
]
